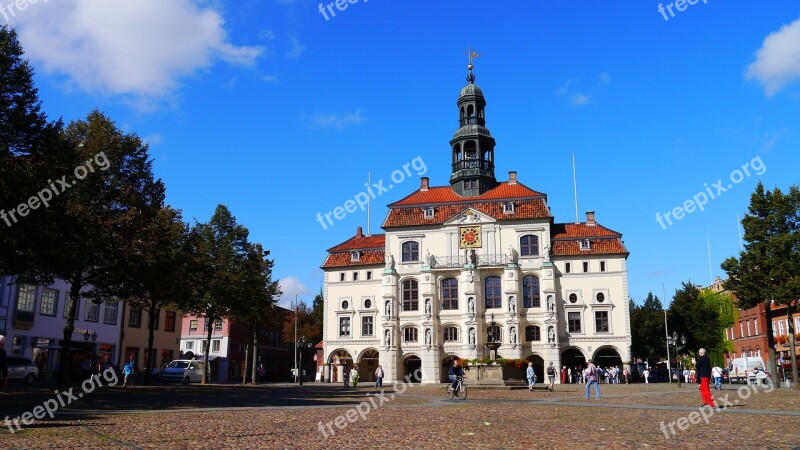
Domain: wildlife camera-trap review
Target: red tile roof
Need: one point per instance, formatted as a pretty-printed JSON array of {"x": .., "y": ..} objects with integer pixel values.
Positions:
[
  {"x": 567, "y": 239},
  {"x": 444, "y": 194},
  {"x": 343, "y": 259},
  {"x": 361, "y": 242},
  {"x": 415, "y": 215},
  {"x": 580, "y": 230}
]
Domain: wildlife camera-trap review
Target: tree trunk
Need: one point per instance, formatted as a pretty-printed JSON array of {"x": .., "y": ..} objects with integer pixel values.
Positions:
[
  {"x": 792, "y": 354},
  {"x": 207, "y": 349},
  {"x": 66, "y": 345},
  {"x": 773, "y": 362},
  {"x": 151, "y": 323},
  {"x": 254, "y": 369},
  {"x": 244, "y": 372}
]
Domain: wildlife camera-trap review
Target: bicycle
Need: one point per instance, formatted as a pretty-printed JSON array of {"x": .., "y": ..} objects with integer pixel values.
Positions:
[{"x": 460, "y": 391}]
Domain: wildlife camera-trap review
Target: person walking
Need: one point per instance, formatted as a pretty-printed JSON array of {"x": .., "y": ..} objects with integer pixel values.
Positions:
[
  {"x": 379, "y": 376},
  {"x": 531, "y": 376},
  {"x": 564, "y": 375},
  {"x": 3, "y": 363},
  {"x": 716, "y": 372},
  {"x": 346, "y": 376},
  {"x": 591, "y": 379},
  {"x": 127, "y": 371},
  {"x": 354, "y": 376},
  {"x": 551, "y": 376},
  {"x": 569, "y": 375},
  {"x": 704, "y": 372}
]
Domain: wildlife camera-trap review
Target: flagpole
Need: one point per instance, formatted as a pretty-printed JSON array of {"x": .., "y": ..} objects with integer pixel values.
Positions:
[{"x": 666, "y": 331}]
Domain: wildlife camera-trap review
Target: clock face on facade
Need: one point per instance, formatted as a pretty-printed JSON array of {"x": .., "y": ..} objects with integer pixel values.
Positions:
[{"x": 470, "y": 237}]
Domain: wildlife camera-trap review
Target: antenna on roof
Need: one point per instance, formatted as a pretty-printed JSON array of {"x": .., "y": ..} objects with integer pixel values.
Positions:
[
  {"x": 575, "y": 186},
  {"x": 739, "y": 228},
  {"x": 369, "y": 183},
  {"x": 710, "y": 272}
]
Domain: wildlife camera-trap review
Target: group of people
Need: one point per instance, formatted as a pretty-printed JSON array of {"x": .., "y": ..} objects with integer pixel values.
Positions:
[
  {"x": 551, "y": 376},
  {"x": 608, "y": 375}
]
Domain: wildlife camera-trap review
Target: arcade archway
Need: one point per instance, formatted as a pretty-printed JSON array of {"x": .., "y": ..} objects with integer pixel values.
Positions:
[
  {"x": 607, "y": 357},
  {"x": 412, "y": 369}
]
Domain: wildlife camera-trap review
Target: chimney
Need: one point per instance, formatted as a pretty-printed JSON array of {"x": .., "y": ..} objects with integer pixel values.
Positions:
[
  {"x": 512, "y": 177},
  {"x": 424, "y": 184},
  {"x": 590, "y": 218},
  {"x": 359, "y": 232}
]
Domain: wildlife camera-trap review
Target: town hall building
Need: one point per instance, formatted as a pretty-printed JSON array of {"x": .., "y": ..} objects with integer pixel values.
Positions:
[{"x": 478, "y": 260}]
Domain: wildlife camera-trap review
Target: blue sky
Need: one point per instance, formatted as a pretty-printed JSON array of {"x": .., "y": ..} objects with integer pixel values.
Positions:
[{"x": 269, "y": 108}]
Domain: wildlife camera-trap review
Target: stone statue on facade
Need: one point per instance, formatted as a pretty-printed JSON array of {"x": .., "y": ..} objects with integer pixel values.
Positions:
[
  {"x": 512, "y": 305},
  {"x": 551, "y": 303},
  {"x": 387, "y": 337},
  {"x": 511, "y": 255},
  {"x": 472, "y": 337},
  {"x": 473, "y": 258},
  {"x": 546, "y": 253},
  {"x": 428, "y": 337},
  {"x": 428, "y": 307},
  {"x": 388, "y": 308},
  {"x": 551, "y": 335},
  {"x": 390, "y": 261},
  {"x": 513, "y": 332},
  {"x": 471, "y": 306}
]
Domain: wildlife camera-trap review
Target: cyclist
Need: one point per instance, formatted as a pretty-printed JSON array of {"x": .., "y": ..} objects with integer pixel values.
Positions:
[{"x": 455, "y": 372}]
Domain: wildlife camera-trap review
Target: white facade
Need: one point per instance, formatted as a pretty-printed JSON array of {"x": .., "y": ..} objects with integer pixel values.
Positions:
[{"x": 378, "y": 318}]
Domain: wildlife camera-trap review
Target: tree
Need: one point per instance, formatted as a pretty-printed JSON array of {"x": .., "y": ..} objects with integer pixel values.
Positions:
[
  {"x": 647, "y": 329},
  {"x": 318, "y": 310},
  {"x": 153, "y": 275},
  {"x": 221, "y": 270},
  {"x": 723, "y": 304},
  {"x": 768, "y": 269},
  {"x": 257, "y": 307},
  {"x": 689, "y": 316}
]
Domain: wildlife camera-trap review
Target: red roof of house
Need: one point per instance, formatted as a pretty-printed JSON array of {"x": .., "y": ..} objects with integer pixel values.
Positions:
[
  {"x": 444, "y": 194},
  {"x": 528, "y": 204},
  {"x": 567, "y": 239},
  {"x": 366, "y": 258},
  {"x": 361, "y": 242}
]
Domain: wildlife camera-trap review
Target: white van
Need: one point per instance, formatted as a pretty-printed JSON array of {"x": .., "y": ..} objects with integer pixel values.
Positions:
[
  {"x": 742, "y": 369},
  {"x": 184, "y": 371}
]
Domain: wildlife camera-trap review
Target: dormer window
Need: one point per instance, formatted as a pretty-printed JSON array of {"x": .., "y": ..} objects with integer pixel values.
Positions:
[
  {"x": 586, "y": 245},
  {"x": 428, "y": 212},
  {"x": 508, "y": 208},
  {"x": 355, "y": 256}
]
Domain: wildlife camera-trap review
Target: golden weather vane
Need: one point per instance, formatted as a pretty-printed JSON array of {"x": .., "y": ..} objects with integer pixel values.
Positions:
[{"x": 472, "y": 54}]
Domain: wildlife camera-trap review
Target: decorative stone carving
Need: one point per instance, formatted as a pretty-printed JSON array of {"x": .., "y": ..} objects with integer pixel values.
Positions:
[
  {"x": 512, "y": 305},
  {"x": 387, "y": 310},
  {"x": 387, "y": 337},
  {"x": 428, "y": 337},
  {"x": 513, "y": 336},
  {"x": 471, "y": 306},
  {"x": 390, "y": 261},
  {"x": 511, "y": 255},
  {"x": 551, "y": 335},
  {"x": 472, "y": 337},
  {"x": 428, "y": 307},
  {"x": 551, "y": 303}
]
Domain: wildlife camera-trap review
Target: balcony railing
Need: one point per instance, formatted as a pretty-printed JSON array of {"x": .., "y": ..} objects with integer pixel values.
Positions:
[
  {"x": 473, "y": 164},
  {"x": 449, "y": 262}
]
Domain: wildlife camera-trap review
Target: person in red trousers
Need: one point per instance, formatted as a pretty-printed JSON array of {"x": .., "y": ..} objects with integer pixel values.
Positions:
[{"x": 704, "y": 372}]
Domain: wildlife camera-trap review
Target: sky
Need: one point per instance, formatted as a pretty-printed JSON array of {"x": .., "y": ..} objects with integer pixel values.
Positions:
[{"x": 280, "y": 111}]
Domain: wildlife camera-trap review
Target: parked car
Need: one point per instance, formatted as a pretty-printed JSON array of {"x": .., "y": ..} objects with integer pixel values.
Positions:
[
  {"x": 22, "y": 369},
  {"x": 184, "y": 371}
]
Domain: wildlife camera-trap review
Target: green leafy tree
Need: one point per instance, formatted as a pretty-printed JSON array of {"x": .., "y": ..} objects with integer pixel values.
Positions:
[
  {"x": 768, "y": 269},
  {"x": 318, "y": 310},
  {"x": 221, "y": 270},
  {"x": 689, "y": 316},
  {"x": 647, "y": 329},
  {"x": 723, "y": 304},
  {"x": 153, "y": 275}
]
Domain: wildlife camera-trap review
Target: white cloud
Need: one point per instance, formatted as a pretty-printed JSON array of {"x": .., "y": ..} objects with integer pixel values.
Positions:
[
  {"x": 296, "y": 48},
  {"x": 291, "y": 287},
  {"x": 777, "y": 62},
  {"x": 580, "y": 99},
  {"x": 138, "y": 49},
  {"x": 604, "y": 78},
  {"x": 153, "y": 139},
  {"x": 338, "y": 121}
]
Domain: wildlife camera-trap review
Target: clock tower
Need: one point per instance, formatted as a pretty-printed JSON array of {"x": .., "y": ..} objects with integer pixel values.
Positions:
[{"x": 472, "y": 145}]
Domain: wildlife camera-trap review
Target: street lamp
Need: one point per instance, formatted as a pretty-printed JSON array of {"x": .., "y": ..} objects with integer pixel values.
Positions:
[
  {"x": 674, "y": 340},
  {"x": 302, "y": 344}
]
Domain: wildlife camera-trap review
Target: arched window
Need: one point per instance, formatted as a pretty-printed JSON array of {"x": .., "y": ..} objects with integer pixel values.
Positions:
[
  {"x": 451, "y": 334},
  {"x": 449, "y": 293},
  {"x": 533, "y": 333},
  {"x": 410, "y": 295},
  {"x": 530, "y": 292},
  {"x": 492, "y": 293},
  {"x": 529, "y": 245},
  {"x": 410, "y": 251}
]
